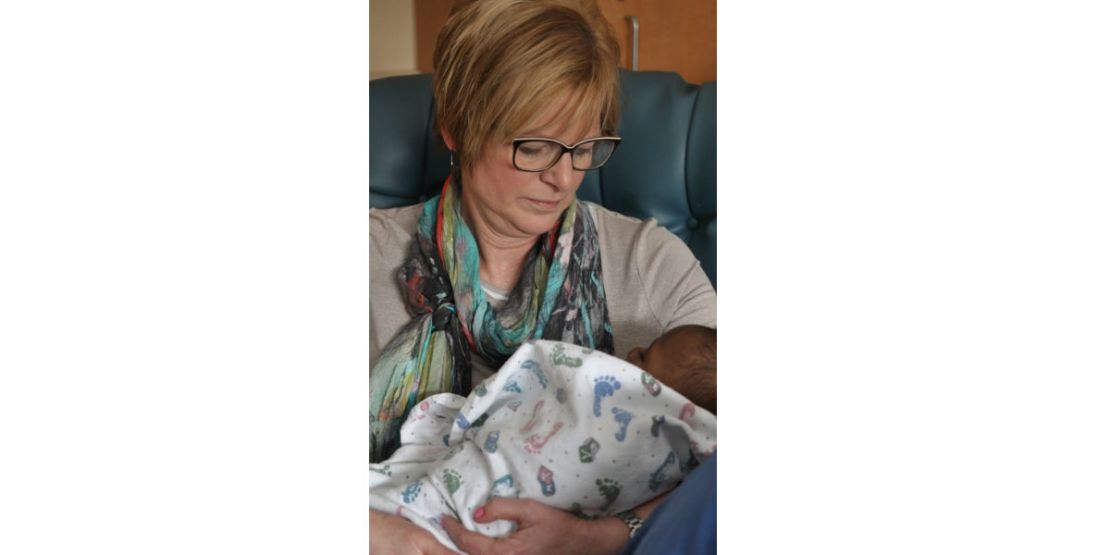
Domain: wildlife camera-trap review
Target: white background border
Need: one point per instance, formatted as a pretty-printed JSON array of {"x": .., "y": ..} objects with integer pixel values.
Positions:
[{"x": 915, "y": 294}]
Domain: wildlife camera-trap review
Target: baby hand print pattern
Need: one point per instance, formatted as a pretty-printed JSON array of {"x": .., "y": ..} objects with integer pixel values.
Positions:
[
  {"x": 547, "y": 481},
  {"x": 588, "y": 450},
  {"x": 651, "y": 385}
]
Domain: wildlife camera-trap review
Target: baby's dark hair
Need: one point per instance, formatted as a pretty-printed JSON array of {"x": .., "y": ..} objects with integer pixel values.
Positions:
[
  {"x": 699, "y": 368},
  {"x": 696, "y": 369}
]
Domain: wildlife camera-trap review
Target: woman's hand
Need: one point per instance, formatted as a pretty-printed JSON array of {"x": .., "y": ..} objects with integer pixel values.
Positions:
[
  {"x": 540, "y": 530},
  {"x": 393, "y": 535}
]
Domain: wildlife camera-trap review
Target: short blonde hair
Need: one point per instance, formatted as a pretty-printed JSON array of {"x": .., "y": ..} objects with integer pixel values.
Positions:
[{"x": 499, "y": 64}]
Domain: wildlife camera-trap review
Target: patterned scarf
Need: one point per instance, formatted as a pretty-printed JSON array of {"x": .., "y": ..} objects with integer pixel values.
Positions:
[{"x": 560, "y": 296}]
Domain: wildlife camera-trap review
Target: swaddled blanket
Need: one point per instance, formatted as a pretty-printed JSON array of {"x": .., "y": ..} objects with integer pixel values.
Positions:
[{"x": 573, "y": 428}]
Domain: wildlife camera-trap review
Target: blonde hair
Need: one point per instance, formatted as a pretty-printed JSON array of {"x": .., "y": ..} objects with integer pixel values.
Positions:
[{"x": 499, "y": 64}]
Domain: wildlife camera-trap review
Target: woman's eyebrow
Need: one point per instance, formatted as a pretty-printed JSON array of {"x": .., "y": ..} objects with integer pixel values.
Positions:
[{"x": 539, "y": 133}]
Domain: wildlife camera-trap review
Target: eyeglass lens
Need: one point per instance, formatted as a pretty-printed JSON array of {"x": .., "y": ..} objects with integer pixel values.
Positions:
[{"x": 539, "y": 155}]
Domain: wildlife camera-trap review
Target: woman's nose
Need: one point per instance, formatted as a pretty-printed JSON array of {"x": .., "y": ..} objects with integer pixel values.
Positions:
[{"x": 562, "y": 174}]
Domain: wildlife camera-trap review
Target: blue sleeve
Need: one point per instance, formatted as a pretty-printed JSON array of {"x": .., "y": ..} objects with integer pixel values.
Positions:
[{"x": 686, "y": 522}]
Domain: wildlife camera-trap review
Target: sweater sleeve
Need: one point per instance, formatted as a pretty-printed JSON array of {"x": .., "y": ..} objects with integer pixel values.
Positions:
[
  {"x": 678, "y": 291},
  {"x": 390, "y": 233}
]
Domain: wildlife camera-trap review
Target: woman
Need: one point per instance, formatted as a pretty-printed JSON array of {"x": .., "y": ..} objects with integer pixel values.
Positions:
[{"x": 527, "y": 101}]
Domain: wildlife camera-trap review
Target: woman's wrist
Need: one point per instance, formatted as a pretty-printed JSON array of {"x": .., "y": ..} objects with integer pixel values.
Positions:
[{"x": 611, "y": 534}]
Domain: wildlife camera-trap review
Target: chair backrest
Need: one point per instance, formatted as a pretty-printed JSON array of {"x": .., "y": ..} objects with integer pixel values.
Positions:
[{"x": 665, "y": 168}]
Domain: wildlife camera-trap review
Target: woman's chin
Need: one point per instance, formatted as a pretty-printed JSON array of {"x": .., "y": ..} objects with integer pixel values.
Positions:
[
  {"x": 538, "y": 220},
  {"x": 537, "y": 227}
]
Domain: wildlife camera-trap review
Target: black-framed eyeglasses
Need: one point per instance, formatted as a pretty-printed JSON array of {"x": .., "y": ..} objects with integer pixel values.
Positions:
[{"x": 537, "y": 154}]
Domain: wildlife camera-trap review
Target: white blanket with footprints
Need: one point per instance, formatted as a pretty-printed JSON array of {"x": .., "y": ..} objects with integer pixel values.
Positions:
[{"x": 573, "y": 428}]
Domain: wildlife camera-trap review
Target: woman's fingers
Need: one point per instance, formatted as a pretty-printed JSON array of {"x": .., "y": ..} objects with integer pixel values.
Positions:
[
  {"x": 470, "y": 542},
  {"x": 504, "y": 508}
]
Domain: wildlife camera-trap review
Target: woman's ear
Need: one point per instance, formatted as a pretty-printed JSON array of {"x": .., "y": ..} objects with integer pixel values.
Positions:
[{"x": 447, "y": 139}]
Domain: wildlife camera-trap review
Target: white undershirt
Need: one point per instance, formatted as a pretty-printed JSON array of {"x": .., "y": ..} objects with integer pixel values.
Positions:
[{"x": 496, "y": 298}]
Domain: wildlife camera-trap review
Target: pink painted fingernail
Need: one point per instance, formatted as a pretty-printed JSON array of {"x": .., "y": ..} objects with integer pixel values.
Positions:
[{"x": 479, "y": 512}]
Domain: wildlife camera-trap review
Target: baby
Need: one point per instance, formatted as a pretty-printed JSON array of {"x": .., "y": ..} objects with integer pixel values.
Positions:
[
  {"x": 685, "y": 359},
  {"x": 576, "y": 429}
]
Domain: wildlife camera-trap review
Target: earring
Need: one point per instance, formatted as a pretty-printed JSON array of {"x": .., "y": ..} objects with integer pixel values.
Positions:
[{"x": 452, "y": 154}]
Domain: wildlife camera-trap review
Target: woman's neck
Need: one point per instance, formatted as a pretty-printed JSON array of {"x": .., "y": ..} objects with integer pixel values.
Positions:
[{"x": 501, "y": 255}]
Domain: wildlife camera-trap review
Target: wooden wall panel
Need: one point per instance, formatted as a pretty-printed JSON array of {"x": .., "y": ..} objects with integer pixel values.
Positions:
[
  {"x": 430, "y": 17},
  {"x": 679, "y": 36},
  {"x": 674, "y": 36}
]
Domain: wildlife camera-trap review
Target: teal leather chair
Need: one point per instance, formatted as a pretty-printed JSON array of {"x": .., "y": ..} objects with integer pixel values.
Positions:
[{"x": 665, "y": 168}]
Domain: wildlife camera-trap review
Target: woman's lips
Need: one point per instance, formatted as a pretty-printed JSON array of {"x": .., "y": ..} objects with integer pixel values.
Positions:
[{"x": 544, "y": 204}]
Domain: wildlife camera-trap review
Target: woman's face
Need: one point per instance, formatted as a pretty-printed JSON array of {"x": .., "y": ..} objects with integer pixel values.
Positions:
[{"x": 516, "y": 204}]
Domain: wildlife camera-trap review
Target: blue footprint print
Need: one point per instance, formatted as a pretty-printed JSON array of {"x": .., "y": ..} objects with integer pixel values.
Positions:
[
  {"x": 410, "y": 493},
  {"x": 656, "y": 479},
  {"x": 512, "y": 386},
  {"x": 622, "y": 417},
  {"x": 604, "y": 386}
]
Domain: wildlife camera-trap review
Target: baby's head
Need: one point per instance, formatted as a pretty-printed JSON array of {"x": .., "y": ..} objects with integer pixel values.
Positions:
[{"x": 684, "y": 358}]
